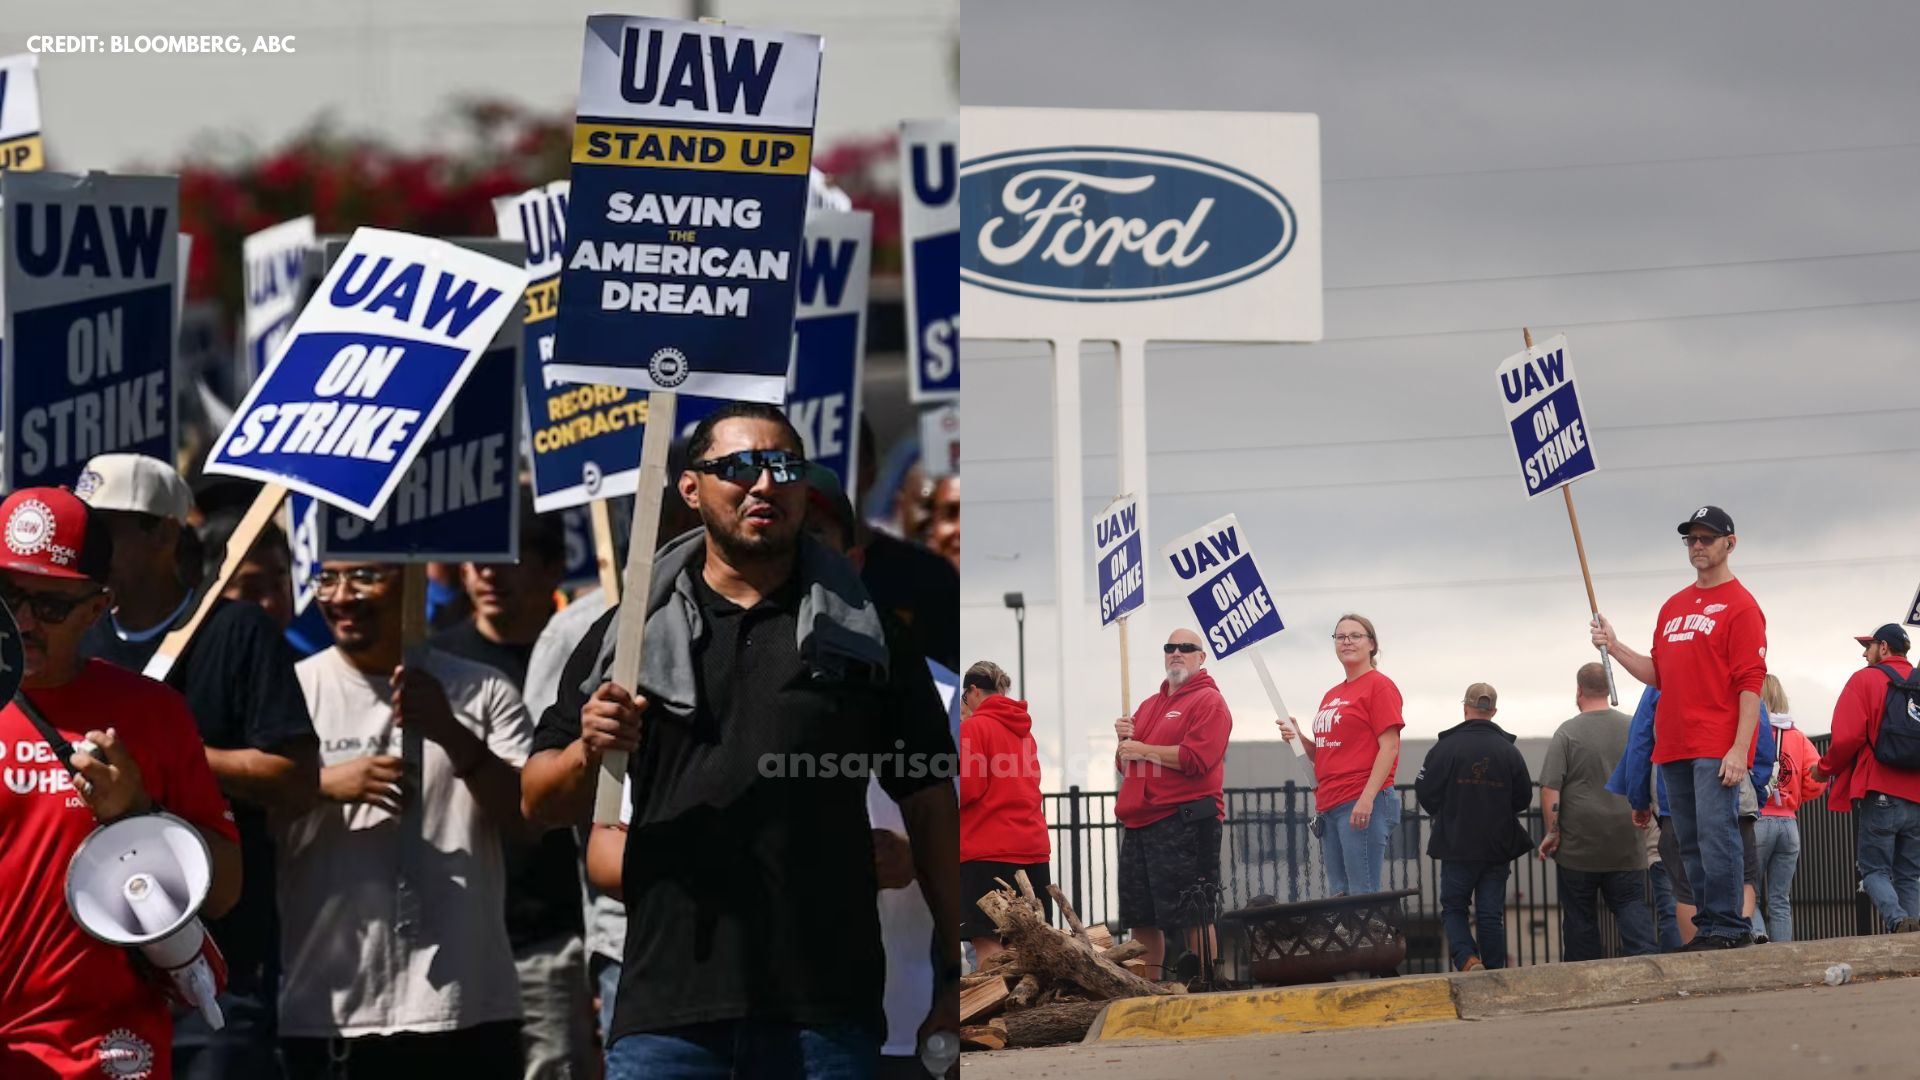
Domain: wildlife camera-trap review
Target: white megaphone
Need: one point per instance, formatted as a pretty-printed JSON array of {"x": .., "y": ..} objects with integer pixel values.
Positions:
[{"x": 139, "y": 883}]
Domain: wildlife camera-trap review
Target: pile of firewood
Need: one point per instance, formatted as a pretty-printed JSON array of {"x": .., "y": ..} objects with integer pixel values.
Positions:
[{"x": 1049, "y": 985}]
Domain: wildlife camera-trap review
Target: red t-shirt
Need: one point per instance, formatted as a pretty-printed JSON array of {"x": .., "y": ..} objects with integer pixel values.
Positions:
[
  {"x": 71, "y": 1006},
  {"x": 1346, "y": 737},
  {"x": 1708, "y": 647}
]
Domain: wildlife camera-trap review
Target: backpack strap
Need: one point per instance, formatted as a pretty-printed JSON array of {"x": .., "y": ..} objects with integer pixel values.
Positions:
[{"x": 1893, "y": 677}]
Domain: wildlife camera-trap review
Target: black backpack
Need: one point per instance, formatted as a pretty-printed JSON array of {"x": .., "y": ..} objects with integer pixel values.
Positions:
[{"x": 1899, "y": 743}]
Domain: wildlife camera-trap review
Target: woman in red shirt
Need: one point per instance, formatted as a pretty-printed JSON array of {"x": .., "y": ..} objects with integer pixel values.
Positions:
[
  {"x": 1002, "y": 830},
  {"x": 1777, "y": 833},
  {"x": 1355, "y": 750}
]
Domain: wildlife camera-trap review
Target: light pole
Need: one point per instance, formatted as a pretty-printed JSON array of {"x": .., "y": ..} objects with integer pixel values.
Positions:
[{"x": 1018, "y": 602}]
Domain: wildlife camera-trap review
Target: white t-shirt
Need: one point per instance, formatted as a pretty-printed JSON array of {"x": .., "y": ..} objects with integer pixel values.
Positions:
[{"x": 397, "y": 924}]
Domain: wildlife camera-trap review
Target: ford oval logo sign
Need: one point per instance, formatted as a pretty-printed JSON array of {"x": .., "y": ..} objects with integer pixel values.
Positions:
[{"x": 1115, "y": 223}]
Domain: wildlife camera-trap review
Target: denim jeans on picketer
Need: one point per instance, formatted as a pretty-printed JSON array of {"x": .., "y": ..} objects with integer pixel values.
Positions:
[
  {"x": 1354, "y": 858},
  {"x": 746, "y": 1050},
  {"x": 1666, "y": 915},
  {"x": 1484, "y": 885},
  {"x": 1625, "y": 894},
  {"x": 1776, "y": 842},
  {"x": 1888, "y": 853},
  {"x": 1706, "y": 822}
]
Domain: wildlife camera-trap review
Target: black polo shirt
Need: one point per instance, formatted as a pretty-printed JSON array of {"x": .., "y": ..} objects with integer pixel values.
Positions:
[
  {"x": 750, "y": 846},
  {"x": 237, "y": 677}
]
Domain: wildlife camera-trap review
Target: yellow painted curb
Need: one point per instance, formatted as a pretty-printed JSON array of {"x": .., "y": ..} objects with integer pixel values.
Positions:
[{"x": 1263, "y": 1012}]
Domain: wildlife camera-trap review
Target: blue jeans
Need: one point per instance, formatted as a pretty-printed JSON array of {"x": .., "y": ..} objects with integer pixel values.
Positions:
[
  {"x": 1706, "y": 822},
  {"x": 746, "y": 1049},
  {"x": 1888, "y": 852},
  {"x": 1484, "y": 885},
  {"x": 1666, "y": 917},
  {"x": 1625, "y": 893},
  {"x": 608, "y": 982},
  {"x": 1777, "y": 843},
  {"x": 1354, "y": 858}
]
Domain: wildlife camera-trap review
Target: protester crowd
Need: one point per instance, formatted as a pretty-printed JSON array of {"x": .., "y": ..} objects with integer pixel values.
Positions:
[
  {"x": 405, "y": 876},
  {"x": 1701, "y": 785}
]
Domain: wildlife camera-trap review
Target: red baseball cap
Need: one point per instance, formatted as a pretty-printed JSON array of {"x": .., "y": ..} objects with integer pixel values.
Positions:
[{"x": 49, "y": 532}]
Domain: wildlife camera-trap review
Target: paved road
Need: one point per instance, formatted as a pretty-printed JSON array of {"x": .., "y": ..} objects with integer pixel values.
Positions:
[{"x": 1861, "y": 1029}]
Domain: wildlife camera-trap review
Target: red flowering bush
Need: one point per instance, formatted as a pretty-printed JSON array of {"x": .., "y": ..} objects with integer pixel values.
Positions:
[{"x": 348, "y": 181}]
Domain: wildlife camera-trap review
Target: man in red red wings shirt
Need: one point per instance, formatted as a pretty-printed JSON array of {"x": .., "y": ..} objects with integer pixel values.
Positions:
[
  {"x": 1885, "y": 799},
  {"x": 1171, "y": 760},
  {"x": 1709, "y": 660},
  {"x": 72, "y": 1006}
]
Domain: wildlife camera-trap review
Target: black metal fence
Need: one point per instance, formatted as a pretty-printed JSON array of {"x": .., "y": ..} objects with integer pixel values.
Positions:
[{"x": 1268, "y": 850}]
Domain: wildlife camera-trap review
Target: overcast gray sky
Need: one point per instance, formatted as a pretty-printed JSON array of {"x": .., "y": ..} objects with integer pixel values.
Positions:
[{"x": 1714, "y": 201}]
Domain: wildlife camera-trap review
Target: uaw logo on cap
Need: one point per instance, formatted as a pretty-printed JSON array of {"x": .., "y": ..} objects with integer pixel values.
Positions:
[
  {"x": 668, "y": 367},
  {"x": 88, "y": 483},
  {"x": 1117, "y": 223},
  {"x": 29, "y": 528}
]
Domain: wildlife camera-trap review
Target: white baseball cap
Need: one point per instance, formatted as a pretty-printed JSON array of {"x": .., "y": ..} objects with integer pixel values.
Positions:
[{"x": 135, "y": 483}]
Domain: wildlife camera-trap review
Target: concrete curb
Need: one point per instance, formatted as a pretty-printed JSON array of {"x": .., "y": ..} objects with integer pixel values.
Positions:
[{"x": 1482, "y": 995}]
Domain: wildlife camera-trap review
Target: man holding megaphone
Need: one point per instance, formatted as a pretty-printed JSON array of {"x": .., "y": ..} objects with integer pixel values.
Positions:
[{"x": 84, "y": 744}]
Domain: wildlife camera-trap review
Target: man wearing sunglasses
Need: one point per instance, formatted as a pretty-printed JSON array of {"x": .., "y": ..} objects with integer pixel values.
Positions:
[
  {"x": 70, "y": 1004},
  {"x": 766, "y": 667},
  {"x": 237, "y": 677},
  {"x": 1709, "y": 660},
  {"x": 1172, "y": 763}
]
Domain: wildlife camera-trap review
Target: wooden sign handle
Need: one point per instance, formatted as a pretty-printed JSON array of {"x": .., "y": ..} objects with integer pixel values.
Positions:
[
  {"x": 1586, "y": 575},
  {"x": 1279, "y": 707},
  {"x": 1126, "y": 682},
  {"x": 604, "y": 557},
  {"x": 265, "y": 504},
  {"x": 631, "y": 623}
]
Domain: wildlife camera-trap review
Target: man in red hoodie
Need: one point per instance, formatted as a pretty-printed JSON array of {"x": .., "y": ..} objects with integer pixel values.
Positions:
[
  {"x": 1002, "y": 831},
  {"x": 1884, "y": 798},
  {"x": 1171, "y": 760}
]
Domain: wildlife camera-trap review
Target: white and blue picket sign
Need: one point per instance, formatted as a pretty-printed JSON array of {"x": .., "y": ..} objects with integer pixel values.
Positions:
[
  {"x": 584, "y": 441},
  {"x": 930, "y": 251},
  {"x": 90, "y": 320},
  {"x": 460, "y": 499},
  {"x": 1543, "y": 413},
  {"x": 1118, "y": 567},
  {"x": 1224, "y": 587},
  {"x": 376, "y": 357},
  {"x": 823, "y": 396},
  {"x": 690, "y": 169},
  {"x": 275, "y": 260}
]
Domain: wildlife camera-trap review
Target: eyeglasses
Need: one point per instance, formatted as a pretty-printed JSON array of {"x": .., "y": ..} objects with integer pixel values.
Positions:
[
  {"x": 744, "y": 467},
  {"x": 1700, "y": 539},
  {"x": 1346, "y": 639},
  {"x": 46, "y": 607},
  {"x": 1179, "y": 647},
  {"x": 360, "y": 580}
]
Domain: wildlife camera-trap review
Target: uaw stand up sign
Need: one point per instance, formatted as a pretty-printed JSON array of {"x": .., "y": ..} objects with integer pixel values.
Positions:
[
  {"x": 691, "y": 153},
  {"x": 1092, "y": 225}
]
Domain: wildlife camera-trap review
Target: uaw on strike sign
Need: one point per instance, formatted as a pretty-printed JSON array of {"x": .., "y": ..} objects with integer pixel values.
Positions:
[
  {"x": 89, "y": 320},
  {"x": 690, "y": 159},
  {"x": 1119, "y": 569},
  {"x": 1223, "y": 586},
  {"x": 930, "y": 249},
  {"x": 585, "y": 439},
  {"x": 373, "y": 361},
  {"x": 1543, "y": 414}
]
